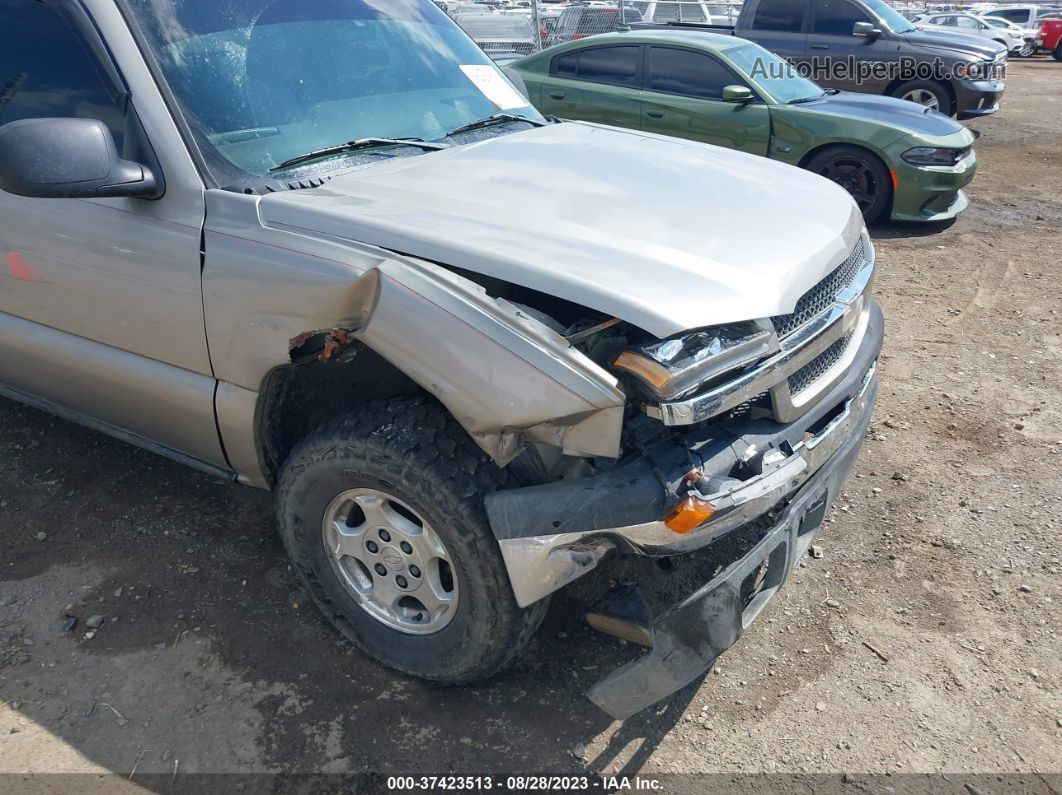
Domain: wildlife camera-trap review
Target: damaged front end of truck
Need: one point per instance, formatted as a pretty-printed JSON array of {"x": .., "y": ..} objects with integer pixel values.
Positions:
[
  {"x": 630, "y": 447},
  {"x": 752, "y": 438},
  {"x": 659, "y": 399}
]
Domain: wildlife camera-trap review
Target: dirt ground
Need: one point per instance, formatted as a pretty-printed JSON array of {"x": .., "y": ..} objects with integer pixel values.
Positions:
[{"x": 926, "y": 639}]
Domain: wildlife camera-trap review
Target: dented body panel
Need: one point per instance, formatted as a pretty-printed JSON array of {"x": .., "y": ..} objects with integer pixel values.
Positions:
[
  {"x": 579, "y": 211},
  {"x": 271, "y": 292},
  {"x": 357, "y": 257}
]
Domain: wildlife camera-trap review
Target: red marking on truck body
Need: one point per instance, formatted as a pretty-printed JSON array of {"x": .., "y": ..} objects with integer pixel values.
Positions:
[{"x": 18, "y": 269}]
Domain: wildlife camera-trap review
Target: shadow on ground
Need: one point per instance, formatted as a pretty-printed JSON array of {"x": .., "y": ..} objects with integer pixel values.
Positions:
[
  {"x": 899, "y": 230},
  {"x": 190, "y": 565}
]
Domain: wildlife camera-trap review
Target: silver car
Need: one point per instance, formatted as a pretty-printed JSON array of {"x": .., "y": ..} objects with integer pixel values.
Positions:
[{"x": 293, "y": 245}]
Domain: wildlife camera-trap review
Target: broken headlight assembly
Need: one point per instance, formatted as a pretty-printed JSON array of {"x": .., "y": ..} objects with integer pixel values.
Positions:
[{"x": 671, "y": 368}]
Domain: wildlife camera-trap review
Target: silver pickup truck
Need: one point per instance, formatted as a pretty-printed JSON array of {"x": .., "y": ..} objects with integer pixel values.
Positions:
[{"x": 325, "y": 247}]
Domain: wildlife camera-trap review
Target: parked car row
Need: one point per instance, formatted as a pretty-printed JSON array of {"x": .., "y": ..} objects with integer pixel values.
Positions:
[
  {"x": 899, "y": 155},
  {"x": 1014, "y": 39},
  {"x": 897, "y": 159},
  {"x": 1022, "y": 41}
]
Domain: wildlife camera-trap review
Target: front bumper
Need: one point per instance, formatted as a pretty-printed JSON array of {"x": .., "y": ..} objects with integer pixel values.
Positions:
[
  {"x": 975, "y": 98},
  {"x": 554, "y": 533},
  {"x": 771, "y": 476},
  {"x": 688, "y": 636},
  {"x": 931, "y": 193}
]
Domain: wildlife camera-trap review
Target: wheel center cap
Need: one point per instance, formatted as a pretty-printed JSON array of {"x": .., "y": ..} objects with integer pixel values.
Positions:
[{"x": 392, "y": 559}]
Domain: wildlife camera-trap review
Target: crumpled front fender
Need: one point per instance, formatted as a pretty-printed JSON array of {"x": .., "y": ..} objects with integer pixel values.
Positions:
[{"x": 503, "y": 375}]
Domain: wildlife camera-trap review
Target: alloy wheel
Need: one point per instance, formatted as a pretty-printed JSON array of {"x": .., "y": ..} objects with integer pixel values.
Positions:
[
  {"x": 855, "y": 176},
  {"x": 390, "y": 561},
  {"x": 923, "y": 96}
]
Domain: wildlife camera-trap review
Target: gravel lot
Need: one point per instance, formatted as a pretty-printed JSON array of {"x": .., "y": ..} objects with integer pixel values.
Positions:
[{"x": 927, "y": 638}]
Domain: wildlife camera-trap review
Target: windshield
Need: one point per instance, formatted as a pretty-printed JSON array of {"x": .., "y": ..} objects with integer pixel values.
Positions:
[
  {"x": 892, "y": 19},
  {"x": 778, "y": 78},
  {"x": 264, "y": 81}
]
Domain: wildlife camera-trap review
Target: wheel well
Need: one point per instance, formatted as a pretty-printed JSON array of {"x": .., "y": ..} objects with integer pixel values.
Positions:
[
  {"x": 839, "y": 145},
  {"x": 298, "y": 398},
  {"x": 890, "y": 89}
]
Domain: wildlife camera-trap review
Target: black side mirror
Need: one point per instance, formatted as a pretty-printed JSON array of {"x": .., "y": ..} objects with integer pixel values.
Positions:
[
  {"x": 68, "y": 159},
  {"x": 865, "y": 29}
]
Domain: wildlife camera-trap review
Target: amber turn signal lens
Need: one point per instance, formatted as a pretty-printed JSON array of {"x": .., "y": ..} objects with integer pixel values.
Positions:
[
  {"x": 645, "y": 368},
  {"x": 690, "y": 514}
]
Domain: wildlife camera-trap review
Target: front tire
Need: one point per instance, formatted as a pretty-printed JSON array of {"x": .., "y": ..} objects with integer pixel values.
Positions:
[
  {"x": 925, "y": 92},
  {"x": 1057, "y": 52},
  {"x": 860, "y": 172},
  {"x": 1028, "y": 50},
  {"x": 381, "y": 512}
]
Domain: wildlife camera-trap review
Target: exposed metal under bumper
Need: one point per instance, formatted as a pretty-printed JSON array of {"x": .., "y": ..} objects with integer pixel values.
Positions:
[
  {"x": 554, "y": 533},
  {"x": 688, "y": 637}
]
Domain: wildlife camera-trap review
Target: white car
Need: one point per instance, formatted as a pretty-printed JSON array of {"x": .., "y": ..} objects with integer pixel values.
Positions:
[
  {"x": 1033, "y": 40},
  {"x": 971, "y": 25},
  {"x": 1026, "y": 16}
]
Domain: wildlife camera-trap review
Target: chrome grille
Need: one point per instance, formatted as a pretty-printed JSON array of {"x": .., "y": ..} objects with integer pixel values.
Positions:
[
  {"x": 820, "y": 297},
  {"x": 817, "y": 367}
]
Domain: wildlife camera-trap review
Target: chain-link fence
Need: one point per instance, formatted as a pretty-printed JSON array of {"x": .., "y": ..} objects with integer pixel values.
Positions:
[
  {"x": 507, "y": 29},
  {"x": 519, "y": 27}
]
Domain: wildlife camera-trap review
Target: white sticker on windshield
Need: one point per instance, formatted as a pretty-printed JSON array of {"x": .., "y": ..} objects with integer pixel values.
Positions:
[{"x": 494, "y": 87}]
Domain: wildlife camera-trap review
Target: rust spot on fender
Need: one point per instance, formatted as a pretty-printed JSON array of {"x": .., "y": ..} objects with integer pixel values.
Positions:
[{"x": 322, "y": 344}]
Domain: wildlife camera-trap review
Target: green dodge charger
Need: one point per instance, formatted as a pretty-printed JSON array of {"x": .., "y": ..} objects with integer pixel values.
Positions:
[{"x": 898, "y": 159}]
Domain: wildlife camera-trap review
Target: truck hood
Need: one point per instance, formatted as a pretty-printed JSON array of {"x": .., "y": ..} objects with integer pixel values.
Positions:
[
  {"x": 955, "y": 43},
  {"x": 889, "y": 111},
  {"x": 665, "y": 234}
]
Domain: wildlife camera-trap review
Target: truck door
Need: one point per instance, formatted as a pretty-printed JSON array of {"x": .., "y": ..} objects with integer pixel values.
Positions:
[
  {"x": 777, "y": 25},
  {"x": 101, "y": 311},
  {"x": 840, "y": 59},
  {"x": 598, "y": 84},
  {"x": 684, "y": 97}
]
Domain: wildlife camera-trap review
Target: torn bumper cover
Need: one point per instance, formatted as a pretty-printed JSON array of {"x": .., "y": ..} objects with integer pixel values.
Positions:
[{"x": 774, "y": 476}]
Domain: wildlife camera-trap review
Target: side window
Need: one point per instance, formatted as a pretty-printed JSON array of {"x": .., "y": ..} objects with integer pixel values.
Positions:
[
  {"x": 565, "y": 65},
  {"x": 837, "y": 17},
  {"x": 693, "y": 12},
  {"x": 967, "y": 23},
  {"x": 599, "y": 20},
  {"x": 568, "y": 21},
  {"x": 614, "y": 65},
  {"x": 46, "y": 71},
  {"x": 780, "y": 15},
  {"x": 691, "y": 74},
  {"x": 666, "y": 12},
  {"x": 1021, "y": 16}
]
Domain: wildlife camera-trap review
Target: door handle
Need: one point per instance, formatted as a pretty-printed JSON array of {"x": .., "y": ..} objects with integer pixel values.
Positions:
[
  {"x": 557, "y": 95},
  {"x": 820, "y": 46},
  {"x": 655, "y": 114}
]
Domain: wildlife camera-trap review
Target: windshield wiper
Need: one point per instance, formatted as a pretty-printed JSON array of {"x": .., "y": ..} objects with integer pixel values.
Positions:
[
  {"x": 360, "y": 143},
  {"x": 801, "y": 100},
  {"x": 497, "y": 118}
]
